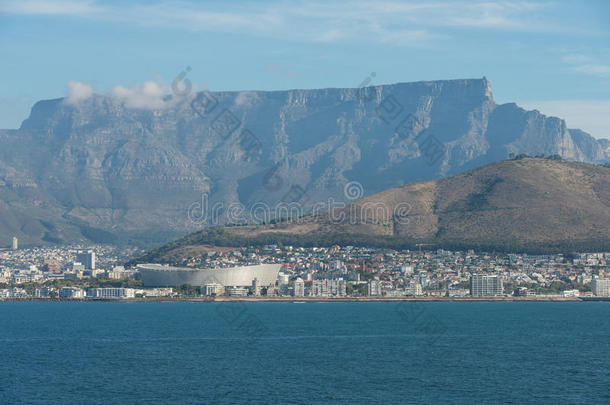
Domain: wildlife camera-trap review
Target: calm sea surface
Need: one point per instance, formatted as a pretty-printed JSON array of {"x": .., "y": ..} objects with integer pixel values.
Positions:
[{"x": 304, "y": 353}]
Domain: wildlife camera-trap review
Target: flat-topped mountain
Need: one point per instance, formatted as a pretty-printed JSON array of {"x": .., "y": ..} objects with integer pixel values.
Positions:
[
  {"x": 524, "y": 205},
  {"x": 107, "y": 171}
]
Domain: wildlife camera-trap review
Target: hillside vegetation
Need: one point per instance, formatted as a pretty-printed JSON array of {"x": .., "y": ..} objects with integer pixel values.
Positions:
[{"x": 528, "y": 205}]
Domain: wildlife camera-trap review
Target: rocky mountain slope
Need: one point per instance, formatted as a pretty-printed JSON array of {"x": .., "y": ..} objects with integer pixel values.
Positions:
[
  {"x": 105, "y": 171},
  {"x": 525, "y": 205}
]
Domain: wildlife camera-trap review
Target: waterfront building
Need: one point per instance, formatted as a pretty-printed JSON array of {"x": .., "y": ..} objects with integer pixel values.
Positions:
[
  {"x": 457, "y": 292},
  {"x": 600, "y": 287},
  {"x": 212, "y": 289},
  {"x": 413, "y": 289},
  {"x": 71, "y": 292},
  {"x": 373, "y": 288},
  {"x": 422, "y": 279},
  {"x": 108, "y": 293},
  {"x": 299, "y": 287},
  {"x": 158, "y": 275},
  {"x": 320, "y": 288},
  {"x": 283, "y": 279},
  {"x": 570, "y": 293},
  {"x": 156, "y": 292},
  {"x": 43, "y": 292},
  {"x": 327, "y": 288},
  {"x": 482, "y": 285},
  {"x": 285, "y": 289},
  {"x": 256, "y": 287},
  {"x": 17, "y": 292},
  {"x": 341, "y": 290},
  {"x": 523, "y": 292},
  {"x": 237, "y": 291}
]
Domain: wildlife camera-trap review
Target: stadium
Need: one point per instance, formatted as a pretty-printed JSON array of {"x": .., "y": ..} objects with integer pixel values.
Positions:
[{"x": 160, "y": 275}]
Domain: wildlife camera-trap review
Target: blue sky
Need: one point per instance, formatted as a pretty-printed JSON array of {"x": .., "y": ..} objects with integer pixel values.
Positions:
[{"x": 549, "y": 55}]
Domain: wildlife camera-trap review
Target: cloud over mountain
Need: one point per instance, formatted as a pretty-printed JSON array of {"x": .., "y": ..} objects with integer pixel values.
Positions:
[{"x": 77, "y": 92}]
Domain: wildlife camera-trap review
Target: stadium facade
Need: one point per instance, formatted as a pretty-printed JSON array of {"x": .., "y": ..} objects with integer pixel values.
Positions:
[{"x": 160, "y": 275}]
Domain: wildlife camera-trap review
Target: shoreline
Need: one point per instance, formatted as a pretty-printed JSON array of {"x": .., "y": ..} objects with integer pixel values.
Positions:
[{"x": 317, "y": 299}]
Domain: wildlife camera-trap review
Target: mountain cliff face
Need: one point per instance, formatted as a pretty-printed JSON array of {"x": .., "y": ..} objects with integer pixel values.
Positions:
[{"x": 99, "y": 169}]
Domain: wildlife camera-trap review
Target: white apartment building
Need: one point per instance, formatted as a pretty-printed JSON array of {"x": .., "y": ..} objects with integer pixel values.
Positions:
[
  {"x": 373, "y": 288},
  {"x": 327, "y": 288},
  {"x": 601, "y": 287},
  {"x": 212, "y": 289},
  {"x": 71, "y": 292},
  {"x": 299, "y": 287},
  {"x": 111, "y": 293},
  {"x": 413, "y": 289}
]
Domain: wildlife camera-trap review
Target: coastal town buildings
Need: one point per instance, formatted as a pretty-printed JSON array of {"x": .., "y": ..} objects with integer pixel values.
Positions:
[{"x": 316, "y": 272}]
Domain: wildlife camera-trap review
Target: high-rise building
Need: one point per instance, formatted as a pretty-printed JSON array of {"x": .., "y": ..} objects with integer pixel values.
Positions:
[
  {"x": 283, "y": 279},
  {"x": 320, "y": 288},
  {"x": 87, "y": 259},
  {"x": 256, "y": 287},
  {"x": 422, "y": 279},
  {"x": 15, "y": 243},
  {"x": 341, "y": 288},
  {"x": 299, "y": 287},
  {"x": 482, "y": 285},
  {"x": 326, "y": 288},
  {"x": 601, "y": 287},
  {"x": 373, "y": 288}
]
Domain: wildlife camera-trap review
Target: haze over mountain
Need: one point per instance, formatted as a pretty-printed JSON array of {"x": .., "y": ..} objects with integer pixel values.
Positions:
[
  {"x": 525, "y": 205},
  {"x": 103, "y": 168}
]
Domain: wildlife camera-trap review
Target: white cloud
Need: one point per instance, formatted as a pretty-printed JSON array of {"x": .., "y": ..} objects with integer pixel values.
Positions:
[
  {"x": 575, "y": 58},
  {"x": 77, "y": 92},
  {"x": 407, "y": 23},
  {"x": 589, "y": 115},
  {"x": 245, "y": 98},
  {"x": 587, "y": 65},
  {"x": 148, "y": 97},
  {"x": 593, "y": 69},
  {"x": 42, "y": 7}
]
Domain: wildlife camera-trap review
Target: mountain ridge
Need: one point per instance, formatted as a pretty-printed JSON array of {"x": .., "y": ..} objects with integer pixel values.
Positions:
[
  {"x": 118, "y": 171},
  {"x": 526, "y": 205}
]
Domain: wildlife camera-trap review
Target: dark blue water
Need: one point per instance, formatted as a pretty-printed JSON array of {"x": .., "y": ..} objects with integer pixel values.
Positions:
[{"x": 269, "y": 353}]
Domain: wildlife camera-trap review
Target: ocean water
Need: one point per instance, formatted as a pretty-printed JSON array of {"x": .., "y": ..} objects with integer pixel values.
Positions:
[{"x": 304, "y": 353}]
